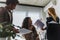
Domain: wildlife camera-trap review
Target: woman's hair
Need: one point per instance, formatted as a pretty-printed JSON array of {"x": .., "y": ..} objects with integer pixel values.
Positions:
[
  {"x": 11, "y": 2},
  {"x": 52, "y": 13},
  {"x": 25, "y": 22}
]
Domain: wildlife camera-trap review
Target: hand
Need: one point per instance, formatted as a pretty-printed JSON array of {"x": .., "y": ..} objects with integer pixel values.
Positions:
[
  {"x": 37, "y": 38},
  {"x": 15, "y": 30}
]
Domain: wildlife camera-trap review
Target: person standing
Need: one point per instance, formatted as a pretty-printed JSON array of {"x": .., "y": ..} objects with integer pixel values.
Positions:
[
  {"x": 6, "y": 16},
  {"x": 6, "y": 12},
  {"x": 52, "y": 29}
]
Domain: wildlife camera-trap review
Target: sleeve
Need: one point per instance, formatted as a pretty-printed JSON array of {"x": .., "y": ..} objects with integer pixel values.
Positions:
[
  {"x": 58, "y": 19},
  {"x": 3, "y": 18},
  {"x": 1, "y": 14},
  {"x": 48, "y": 19},
  {"x": 1, "y": 10},
  {"x": 35, "y": 33}
]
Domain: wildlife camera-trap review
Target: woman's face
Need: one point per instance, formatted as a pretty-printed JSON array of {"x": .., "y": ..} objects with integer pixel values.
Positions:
[
  {"x": 49, "y": 13},
  {"x": 30, "y": 21}
]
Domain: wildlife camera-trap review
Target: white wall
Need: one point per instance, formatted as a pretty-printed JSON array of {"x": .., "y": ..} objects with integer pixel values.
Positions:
[
  {"x": 2, "y": 5},
  {"x": 57, "y": 8},
  {"x": 27, "y": 8}
]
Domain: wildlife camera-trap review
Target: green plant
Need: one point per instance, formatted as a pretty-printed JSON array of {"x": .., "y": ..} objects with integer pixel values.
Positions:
[{"x": 7, "y": 30}]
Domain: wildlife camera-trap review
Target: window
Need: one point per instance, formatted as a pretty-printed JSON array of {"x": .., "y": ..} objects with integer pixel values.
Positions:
[
  {"x": 18, "y": 17},
  {"x": 2, "y": 5},
  {"x": 34, "y": 16}
]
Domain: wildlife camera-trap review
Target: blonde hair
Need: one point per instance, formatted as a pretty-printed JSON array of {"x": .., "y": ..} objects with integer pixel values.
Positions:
[{"x": 52, "y": 13}]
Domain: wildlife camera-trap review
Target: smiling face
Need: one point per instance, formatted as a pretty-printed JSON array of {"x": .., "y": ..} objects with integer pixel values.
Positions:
[{"x": 30, "y": 21}]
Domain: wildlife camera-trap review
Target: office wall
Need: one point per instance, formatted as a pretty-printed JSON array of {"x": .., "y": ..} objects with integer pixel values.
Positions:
[
  {"x": 28, "y": 8},
  {"x": 57, "y": 8}
]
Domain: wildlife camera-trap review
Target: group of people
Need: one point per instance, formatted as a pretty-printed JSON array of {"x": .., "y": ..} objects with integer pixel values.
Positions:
[
  {"x": 6, "y": 16},
  {"x": 27, "y": 23}
]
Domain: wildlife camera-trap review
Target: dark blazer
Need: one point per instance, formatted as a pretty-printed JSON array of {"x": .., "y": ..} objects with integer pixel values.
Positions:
[
  {"x": 4, "y": 16},
  {"x": 52, "y": 29},
  {"x": 49, "y": 19}
]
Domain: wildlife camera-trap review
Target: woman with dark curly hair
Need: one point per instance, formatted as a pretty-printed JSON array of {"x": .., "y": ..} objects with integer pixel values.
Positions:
[{"x": 27, "y": 23}]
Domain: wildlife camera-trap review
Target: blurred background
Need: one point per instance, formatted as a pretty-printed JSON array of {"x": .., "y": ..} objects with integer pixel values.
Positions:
[{"x": 36, "y": 9}]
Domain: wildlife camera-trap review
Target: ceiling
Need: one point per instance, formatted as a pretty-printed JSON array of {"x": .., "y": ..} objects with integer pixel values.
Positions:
[{"x": 33, "y": 2}]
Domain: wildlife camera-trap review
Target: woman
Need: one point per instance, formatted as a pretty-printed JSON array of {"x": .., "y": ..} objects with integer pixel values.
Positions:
[
  {"x": 27, "y": 23},
  {"x": 52, "y": 15},
  {"x": 51, "y": 27}
]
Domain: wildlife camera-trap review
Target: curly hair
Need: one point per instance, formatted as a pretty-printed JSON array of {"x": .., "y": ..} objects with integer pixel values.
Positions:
[
  {"x": 33, "y": 35},
  {"x": 25, "y": 22}
]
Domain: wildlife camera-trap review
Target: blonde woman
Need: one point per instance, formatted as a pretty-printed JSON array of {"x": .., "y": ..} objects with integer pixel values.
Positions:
[
  {"x": 52, "y": 29},
  {"x": 52, "y": 15}
]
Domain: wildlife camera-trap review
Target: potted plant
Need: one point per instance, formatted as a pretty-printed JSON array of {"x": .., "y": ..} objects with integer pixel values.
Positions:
[{"x": 7, "y": 31}]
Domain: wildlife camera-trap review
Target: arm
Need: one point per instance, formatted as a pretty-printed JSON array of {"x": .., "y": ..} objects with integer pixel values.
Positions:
[
  {"x": 48, "y": 20},
  {"x": 3, "y": 17},
  {"x": 1, "y": 14},
  {"x": 35, "y": 33},
  {"x": 57, "y": 19}
]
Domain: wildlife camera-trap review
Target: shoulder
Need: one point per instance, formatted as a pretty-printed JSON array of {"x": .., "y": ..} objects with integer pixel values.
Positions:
[
  {"x": 33, "y": 26},
  {"x": 2, "y": 9},
  {"x": 49, "y": 18},
  {"x": 58, "y": 19}
]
